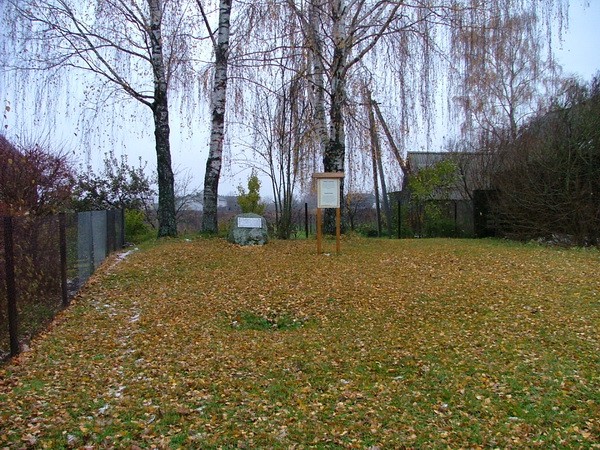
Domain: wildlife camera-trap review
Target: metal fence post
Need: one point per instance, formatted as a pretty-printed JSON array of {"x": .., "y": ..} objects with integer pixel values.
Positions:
[
  {"x": 111, "y": 231},
  {"x": 306, "y": 219},
  {"x": 122, "y": 230},
  {"x": 455, "y": 218},
  {"x": 399, "y": 219},
  {"x": 62, "y": 232},
  {"x": 11, "y": 288}
]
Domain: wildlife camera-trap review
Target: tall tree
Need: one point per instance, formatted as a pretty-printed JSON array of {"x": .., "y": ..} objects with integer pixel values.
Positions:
[
  {"x": 317, "y": 77},
  {"x": 354, "y": 29},
  {"x": 271, "y": 53},
  {"x": 282, "y": 141},
  {"x": 505, "y": 73},
  {"x": 412, "y": 41},
  {"x": 122, "y": 43},
  {"x": 217, "y": 105},
  {"x": 548, "y": 178},
  {"x": 167, "y": 224},
  {"x": 376, "y": 151}
]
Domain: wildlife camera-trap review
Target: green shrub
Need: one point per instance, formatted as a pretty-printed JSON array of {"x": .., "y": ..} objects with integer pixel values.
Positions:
[
  {"x": 136, "y": 228},
  {"x": 367, "y": 230},
  {"x": 250, "y": 201}
]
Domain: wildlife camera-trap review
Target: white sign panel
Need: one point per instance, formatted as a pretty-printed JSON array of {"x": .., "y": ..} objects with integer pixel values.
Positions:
[
  {"x": 249, "y": 222},
  {"x": 328, "y": 193}
]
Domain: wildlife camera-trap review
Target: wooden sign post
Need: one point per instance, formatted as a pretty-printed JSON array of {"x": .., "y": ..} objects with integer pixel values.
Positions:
[{"x": 328, "y": 196}]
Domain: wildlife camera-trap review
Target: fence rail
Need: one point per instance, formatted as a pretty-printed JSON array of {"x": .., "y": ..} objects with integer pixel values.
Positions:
[{"x": 43, "y": 263}]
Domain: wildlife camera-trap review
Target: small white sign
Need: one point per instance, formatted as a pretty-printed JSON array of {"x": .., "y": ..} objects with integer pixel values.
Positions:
[
  {"x": 328, "y": 190},
  {"x": 249, "y": 222}
]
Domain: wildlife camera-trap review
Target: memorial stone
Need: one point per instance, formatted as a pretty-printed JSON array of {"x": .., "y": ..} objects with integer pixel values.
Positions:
[{"x": 248, "y": 229}]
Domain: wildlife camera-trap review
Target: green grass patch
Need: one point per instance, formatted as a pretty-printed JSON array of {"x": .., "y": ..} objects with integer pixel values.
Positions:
[
  {"x": 197, "y": 343},
  {"x": 247, "y": 320}
]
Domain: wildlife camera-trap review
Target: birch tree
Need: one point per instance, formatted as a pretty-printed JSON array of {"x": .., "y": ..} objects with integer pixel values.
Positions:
[
  {"x": 505, "y": 73},
  {"x": 340, "y": 38},
  {"x": 342, "y": 42},
  {"x": 405, "y": 47},
  {"x": 217, "y": 107},
  {"x": 282, "y": 141},
  {"x": 121, "y": 43},
  {"x": 269, "y": 56}
]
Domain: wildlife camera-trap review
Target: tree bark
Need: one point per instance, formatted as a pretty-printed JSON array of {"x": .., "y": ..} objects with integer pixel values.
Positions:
[
  {"x": 217, "y": 133},
  {"x": 318, "y": 77},
  {"x": 377, "y": 158},
  {"x": 375, "y": 183},
  {"x": 167, "y": 225},
  {"x": 335, "y": 151},
  {"x": 394, "y": 147}
]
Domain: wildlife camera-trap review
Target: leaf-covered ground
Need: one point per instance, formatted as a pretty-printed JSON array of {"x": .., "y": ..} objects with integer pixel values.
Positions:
[{"x": 412, "y": 343}]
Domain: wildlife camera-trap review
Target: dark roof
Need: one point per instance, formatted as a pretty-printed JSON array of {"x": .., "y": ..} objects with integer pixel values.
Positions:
[{"x": 420, "y": 160}]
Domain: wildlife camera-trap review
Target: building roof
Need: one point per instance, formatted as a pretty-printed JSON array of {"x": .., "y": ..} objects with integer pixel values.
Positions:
[{"x": 420, "y": 160}]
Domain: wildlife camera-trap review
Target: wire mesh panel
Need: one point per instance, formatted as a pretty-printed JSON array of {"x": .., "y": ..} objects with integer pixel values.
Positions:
[
  {"x": 99, "y": 237},
  {"x": 37, "y": 273},
  {"x": 119, "y": 221},
  {"x": 111, "y": 242},
  {"x": 43, "y": 263},
  {"x": 85, "y": 246},
  {"x": 74, "y": 281}
]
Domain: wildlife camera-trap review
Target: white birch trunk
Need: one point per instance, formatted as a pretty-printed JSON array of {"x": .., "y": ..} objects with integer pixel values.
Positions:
[
  {"x": 335, "y": 152},
  {"x": 318, "y": 80},
  {"x": 217, "y": 133}
]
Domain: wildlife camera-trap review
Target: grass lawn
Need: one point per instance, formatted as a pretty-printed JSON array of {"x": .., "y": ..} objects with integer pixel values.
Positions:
[{"x": 414, "y": 343}]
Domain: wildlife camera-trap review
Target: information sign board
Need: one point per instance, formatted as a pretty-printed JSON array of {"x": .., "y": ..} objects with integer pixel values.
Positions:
[
  {"x": 249, "y": 222},
  {"x": 328, "y": 190},
  {"x": 328, "y": 196}
]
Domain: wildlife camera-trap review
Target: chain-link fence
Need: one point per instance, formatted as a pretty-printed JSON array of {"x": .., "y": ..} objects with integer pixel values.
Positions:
[
  {"x": 43, "y": 263},
  {"x": 434, "y": 218}
]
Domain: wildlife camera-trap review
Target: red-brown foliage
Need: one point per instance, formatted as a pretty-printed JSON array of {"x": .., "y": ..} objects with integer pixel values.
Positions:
[{"x": 33, "y": 180}]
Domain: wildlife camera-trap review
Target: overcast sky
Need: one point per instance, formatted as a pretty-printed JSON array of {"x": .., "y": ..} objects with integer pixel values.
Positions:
[{"x": 578, "y": 54}]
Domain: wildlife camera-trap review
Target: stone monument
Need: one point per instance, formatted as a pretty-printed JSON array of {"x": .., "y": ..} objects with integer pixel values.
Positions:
[{"x": 248, "y": 229}]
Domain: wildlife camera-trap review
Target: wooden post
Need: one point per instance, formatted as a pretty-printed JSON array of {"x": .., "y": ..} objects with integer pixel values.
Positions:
[
  {"x": 11, "y": 288},
  {"x": 338, "y": 221},
  {"x": 378, "y": 168},
  {"x": 319, "y": 233},
  {"x": 375, "y": 182},
  {"x": 328, "y": 196}
]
